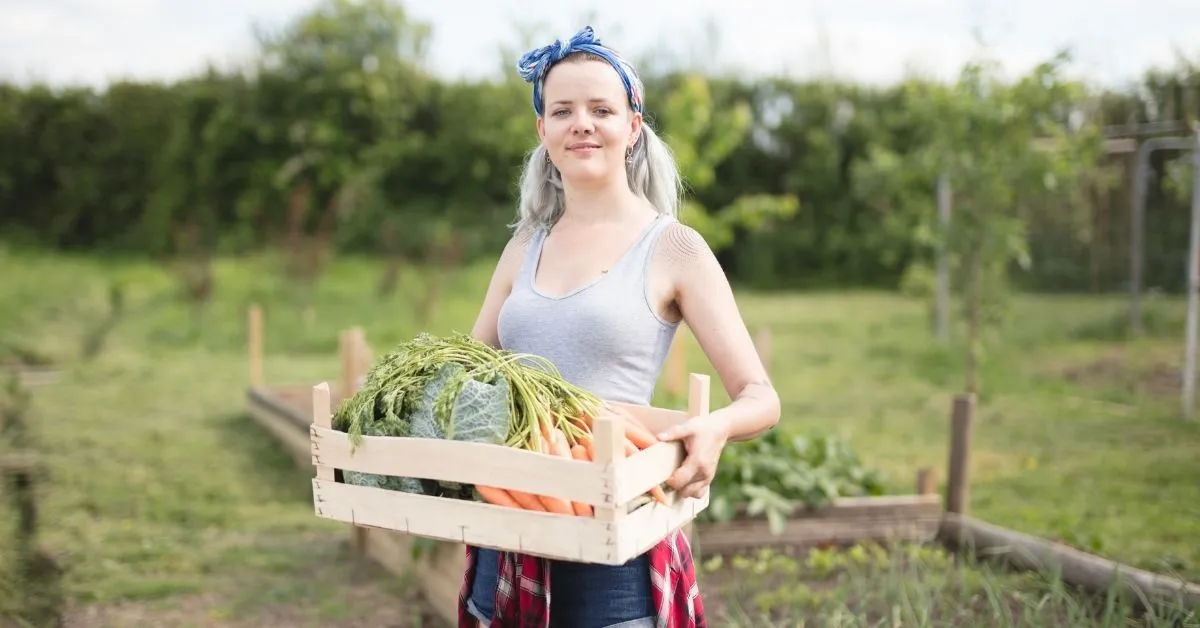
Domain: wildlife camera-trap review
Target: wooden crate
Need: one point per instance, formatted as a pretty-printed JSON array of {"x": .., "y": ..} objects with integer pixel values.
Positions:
[{"x": 613, "y": 536}]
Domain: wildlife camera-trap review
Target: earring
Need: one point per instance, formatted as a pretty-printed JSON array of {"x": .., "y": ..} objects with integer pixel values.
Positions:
[{"x": 629, "y": 155}]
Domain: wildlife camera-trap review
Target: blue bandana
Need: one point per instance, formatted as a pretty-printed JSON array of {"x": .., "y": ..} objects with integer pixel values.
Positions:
[{"x": 535, "y": 64}]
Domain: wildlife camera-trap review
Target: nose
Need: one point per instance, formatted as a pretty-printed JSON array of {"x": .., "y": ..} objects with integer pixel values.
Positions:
[{"x": 582, "y": 124}]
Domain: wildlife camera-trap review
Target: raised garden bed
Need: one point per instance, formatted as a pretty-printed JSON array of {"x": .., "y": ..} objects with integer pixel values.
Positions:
[
  {"x": 845, "y": 521},
  {"x": 791, "y": 490}
]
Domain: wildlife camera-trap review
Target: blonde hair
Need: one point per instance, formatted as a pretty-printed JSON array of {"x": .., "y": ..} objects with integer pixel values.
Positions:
[{"x": 650, "y": 170}]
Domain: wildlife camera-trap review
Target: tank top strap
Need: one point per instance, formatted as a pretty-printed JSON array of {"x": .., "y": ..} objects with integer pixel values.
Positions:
[{"x": 532, "y": 254}]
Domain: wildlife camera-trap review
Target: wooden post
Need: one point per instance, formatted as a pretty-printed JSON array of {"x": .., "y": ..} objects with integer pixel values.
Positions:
[
  {"x": 941, "y": 321},
  {"x": 926, "y": 481},
  {"x": 363, "y": 356},
  {"x": 1192, "y": 263},
  {"x": 762, "y": 342},
  {"x": 255, "y": 339},
  {"x": 958, "y": 477},
  {"x": 346, "y": 349},
  {"x": 677, "y": 364}
]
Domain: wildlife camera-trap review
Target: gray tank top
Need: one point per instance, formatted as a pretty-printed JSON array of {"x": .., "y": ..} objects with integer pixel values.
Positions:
[{"x": 603, "y": 336}]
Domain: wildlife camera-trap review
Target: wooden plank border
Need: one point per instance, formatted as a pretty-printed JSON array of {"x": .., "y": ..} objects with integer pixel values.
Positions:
[{"x": 967, "y": 535}]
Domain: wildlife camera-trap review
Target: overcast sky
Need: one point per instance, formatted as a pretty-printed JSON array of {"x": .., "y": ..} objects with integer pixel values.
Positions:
[{"x": 91, "y": 41}]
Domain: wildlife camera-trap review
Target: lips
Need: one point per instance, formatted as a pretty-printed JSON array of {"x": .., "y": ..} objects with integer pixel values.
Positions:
[{"x": 583, "y": 147}]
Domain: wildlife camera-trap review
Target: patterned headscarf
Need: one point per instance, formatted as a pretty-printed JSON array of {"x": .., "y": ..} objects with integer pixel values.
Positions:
[{"x": 535, "y": 64}]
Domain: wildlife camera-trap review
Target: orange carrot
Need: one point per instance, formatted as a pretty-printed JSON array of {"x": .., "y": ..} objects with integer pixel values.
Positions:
[
  {"x": 528, "y": 501},
  {"x": 639, "y": 434},
  {"x": 557, "y": 446},
  {"x": 579, "y": 452},
  {"x": 585, "y": 441},
  {"x": 497, "y": 496}
]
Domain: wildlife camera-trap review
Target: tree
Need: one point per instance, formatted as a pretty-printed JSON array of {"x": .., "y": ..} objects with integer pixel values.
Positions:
[
  {"x": 1007, "y": 150},
  {"x": 701, "y": 137}
]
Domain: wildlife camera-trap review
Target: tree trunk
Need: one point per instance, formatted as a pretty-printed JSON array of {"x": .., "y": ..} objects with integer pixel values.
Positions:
[{"x": 974, "y": 306}]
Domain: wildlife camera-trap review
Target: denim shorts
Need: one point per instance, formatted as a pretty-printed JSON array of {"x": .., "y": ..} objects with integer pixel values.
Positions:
[{"x": 583, "y": 595}]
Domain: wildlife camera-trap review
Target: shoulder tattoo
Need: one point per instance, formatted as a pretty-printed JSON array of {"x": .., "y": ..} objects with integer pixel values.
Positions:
[{"x": 683, "y": 246}]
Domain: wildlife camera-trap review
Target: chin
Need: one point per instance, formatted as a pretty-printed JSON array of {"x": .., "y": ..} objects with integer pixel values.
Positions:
[{"x": 586, "y": 173}]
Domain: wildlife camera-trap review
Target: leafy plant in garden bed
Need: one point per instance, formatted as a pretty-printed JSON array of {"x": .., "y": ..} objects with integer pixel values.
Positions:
[{"x": 779, "y": 473}]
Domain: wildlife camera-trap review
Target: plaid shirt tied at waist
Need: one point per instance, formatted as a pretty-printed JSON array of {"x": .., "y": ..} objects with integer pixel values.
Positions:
[{"x": 523, "y": 595}]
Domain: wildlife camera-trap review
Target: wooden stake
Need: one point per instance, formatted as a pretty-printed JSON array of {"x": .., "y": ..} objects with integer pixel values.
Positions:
[
  {"x": 926, "y": 481},
  {"x": 958, "y": 477},
  {"x": 346, "y": 350},
  {"x": 255, "y": 334},
  {"x": 762, "y": 342},
  {"x": 677, "y": 364},
  {"x": 363, "y": 355}
]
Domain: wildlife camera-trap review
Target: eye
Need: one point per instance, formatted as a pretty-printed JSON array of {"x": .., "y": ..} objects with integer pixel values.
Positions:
[
  {"x": 604, "y": 111},
  {"x": 559, "y": 111}
]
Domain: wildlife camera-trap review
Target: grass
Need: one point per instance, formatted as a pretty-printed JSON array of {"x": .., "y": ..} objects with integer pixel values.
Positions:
[
  {"x": 164, "y": 499},
  {"x": 869, "y": 585}
]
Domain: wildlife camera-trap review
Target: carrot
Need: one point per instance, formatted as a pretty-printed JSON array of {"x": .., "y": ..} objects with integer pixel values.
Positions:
[
  {"x": 497, "y": 496},
  {"x": 637, "y": 433},
  {"x": 527, "y": 501},
  {"x": 579, "y": 452},
  {"x": 557, "y": 446},
  {"x": 586, "y": 443}
]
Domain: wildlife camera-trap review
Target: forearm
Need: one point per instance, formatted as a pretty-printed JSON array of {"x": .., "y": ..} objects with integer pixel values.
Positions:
[{"x": 754, "y": 411}]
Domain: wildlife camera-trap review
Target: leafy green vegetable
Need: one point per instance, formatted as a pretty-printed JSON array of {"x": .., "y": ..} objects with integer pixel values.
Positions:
[
  {"x": 776, "y": 475},
  {"x": 456, "y": 387}
]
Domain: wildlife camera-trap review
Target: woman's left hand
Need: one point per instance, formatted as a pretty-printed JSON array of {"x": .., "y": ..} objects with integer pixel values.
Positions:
[{"x": 704, "y": 439}]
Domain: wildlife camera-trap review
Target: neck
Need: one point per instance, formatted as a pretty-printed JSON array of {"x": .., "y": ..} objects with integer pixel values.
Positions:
[{"x": 603, "y": 203}]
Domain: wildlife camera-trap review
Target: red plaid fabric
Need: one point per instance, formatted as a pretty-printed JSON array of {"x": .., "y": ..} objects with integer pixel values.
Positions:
[{"x": 523, "y": 598}]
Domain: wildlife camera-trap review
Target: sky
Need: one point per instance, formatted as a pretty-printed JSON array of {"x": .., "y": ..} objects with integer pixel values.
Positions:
[{"x": 878, "y": 41}]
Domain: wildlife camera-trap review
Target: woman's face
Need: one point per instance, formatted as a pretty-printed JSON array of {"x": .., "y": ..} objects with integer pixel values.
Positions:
[{"x": 588, "y": 125}]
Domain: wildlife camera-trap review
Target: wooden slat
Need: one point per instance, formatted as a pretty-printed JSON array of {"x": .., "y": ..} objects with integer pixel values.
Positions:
[
  {"x": 1074, "y": 566},
  {"x": 284, "y": 428},
  {"x": 465, "y": 462},
  {"x": 19, "y": 463},
  {"x": 646, "y": 526},
  {"x": 900, "y": 517},
  {"x": 637, "y": 474},
  {"x": 33, "y": 377},
  {"x": 474, "y": 523},
  {"x": 540, "y": 534}
]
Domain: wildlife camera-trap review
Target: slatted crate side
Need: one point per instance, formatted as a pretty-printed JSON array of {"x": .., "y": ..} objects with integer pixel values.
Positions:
[{"x": 609, "y": 483}]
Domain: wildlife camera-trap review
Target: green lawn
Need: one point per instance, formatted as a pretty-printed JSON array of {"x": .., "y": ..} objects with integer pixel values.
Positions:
[{"x": 162, "y": 492}]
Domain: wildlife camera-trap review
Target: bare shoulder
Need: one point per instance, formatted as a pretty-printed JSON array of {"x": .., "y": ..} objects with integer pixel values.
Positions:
[
  {"x": 500, "y": 285},
  {"x": 684, "y": 255},
  {"x": 515, "y": 249}
]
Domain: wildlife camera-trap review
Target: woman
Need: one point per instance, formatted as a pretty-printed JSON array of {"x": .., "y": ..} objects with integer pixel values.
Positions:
[{"x": 597, "y": 278}]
